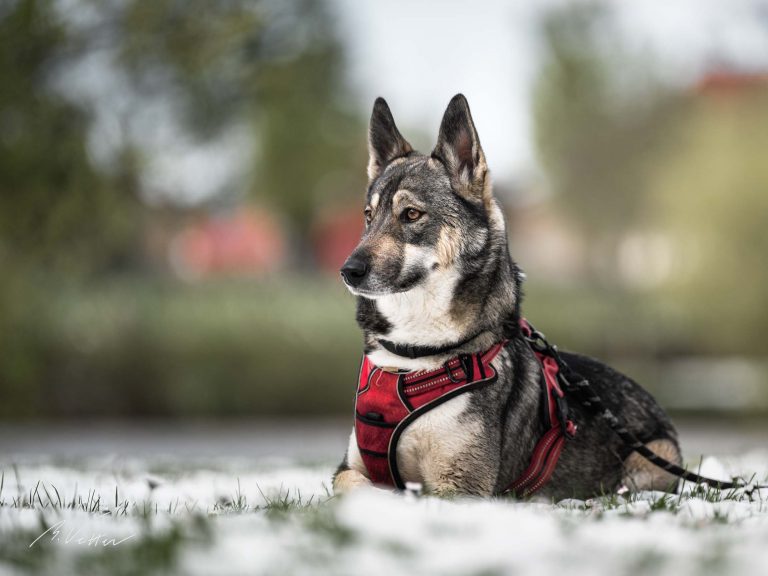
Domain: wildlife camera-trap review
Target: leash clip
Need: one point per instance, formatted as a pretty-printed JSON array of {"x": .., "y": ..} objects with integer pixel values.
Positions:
[{"x": 536, "y": 340}]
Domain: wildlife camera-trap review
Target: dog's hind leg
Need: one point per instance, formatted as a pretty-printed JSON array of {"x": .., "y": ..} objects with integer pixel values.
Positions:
[{"x": 640, "y": 474}]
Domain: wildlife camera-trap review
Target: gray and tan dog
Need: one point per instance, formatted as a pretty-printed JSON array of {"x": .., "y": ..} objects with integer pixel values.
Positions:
[{"x": 433, "y": 268}]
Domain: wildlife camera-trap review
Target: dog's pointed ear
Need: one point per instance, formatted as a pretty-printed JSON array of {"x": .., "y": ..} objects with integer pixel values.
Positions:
[
  {"x": 458, "y": 148},
  {"x": 385, "y": 143}
]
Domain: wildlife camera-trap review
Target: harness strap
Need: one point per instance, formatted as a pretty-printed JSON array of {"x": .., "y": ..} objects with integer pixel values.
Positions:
[
  {"x": 548, "y": 449},
  {"x": 543, "y": 463}
]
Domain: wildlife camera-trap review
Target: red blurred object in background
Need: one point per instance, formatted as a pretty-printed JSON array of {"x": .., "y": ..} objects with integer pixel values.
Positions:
[
  {"x": 726, "y": 82},
  {"x": 335, "y": 235},
  {"x": 248, "y": 242}
]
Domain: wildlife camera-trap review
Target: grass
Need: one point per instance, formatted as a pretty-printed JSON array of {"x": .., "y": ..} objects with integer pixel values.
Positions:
[{"x": 45, "y": 497}]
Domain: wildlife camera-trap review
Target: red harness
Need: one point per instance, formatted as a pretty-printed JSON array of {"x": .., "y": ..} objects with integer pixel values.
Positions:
[{"x": 388, "y": 402}]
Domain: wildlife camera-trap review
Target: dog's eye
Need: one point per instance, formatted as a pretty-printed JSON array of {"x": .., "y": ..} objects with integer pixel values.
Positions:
[
  {"x": 368, "y": 215},
  {"x": 411, "y": 214}
]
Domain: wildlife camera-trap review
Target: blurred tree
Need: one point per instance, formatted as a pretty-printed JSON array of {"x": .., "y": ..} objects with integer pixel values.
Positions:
[
  {"x": 56, "y": 209},
  {"x": 275, "y": 66},
  {"x": 62, "y": 219},
  {"x": 597, "y": 128}
]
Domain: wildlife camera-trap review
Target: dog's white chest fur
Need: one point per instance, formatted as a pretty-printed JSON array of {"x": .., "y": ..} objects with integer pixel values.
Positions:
[{"x": 420, "y": 316}]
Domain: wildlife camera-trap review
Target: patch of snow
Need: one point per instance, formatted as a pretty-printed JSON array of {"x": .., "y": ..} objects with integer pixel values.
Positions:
[{"x": 261, "y": 519}]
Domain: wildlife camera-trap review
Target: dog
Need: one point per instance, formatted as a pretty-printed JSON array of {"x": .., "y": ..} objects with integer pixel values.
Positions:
[{"x": 433, "y": 272}]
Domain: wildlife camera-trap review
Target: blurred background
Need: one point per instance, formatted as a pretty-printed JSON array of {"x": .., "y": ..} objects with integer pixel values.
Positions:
[{"x": 180, "y": 181}]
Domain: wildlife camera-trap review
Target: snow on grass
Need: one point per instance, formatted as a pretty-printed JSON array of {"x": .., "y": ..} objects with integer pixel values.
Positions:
[{"x": 144, "y": 517}]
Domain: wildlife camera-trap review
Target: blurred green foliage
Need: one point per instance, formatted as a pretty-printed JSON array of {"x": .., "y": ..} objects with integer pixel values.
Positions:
[
  {"x": 133, "y": 347},
  {"x": 711, "y": 199},
  {"x": 159, "y": 348},
  {"x": 57, "y": 210}
]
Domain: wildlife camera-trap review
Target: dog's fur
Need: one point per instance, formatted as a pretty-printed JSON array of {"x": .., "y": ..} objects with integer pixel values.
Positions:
[{"x": 442, "y": 274}]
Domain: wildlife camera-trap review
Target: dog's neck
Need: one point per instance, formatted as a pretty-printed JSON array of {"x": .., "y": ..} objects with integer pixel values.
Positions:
[{"x": 449, "y": 307}]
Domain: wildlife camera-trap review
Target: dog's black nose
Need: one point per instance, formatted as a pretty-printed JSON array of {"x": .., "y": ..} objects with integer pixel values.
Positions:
[{"x": 354, "y": 270}]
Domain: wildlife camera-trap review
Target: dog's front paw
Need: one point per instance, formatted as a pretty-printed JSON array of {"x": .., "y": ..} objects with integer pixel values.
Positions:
[{"x": 348, "y": 480}]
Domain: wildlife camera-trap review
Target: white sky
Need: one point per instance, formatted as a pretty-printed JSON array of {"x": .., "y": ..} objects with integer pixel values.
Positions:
[{"x": 417, "y": 55}]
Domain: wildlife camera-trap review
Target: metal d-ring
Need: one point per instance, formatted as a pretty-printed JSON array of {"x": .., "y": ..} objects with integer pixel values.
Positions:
[{"x": 448, "y": 373}]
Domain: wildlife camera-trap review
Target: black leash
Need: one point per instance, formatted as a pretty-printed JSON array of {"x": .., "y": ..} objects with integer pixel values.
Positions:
[{"x": 580, "y": 387}]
